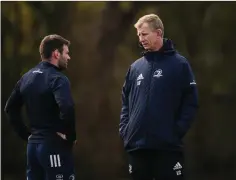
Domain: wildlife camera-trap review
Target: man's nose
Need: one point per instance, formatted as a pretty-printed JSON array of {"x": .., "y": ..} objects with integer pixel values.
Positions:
[{"x": 141, "y": 39}]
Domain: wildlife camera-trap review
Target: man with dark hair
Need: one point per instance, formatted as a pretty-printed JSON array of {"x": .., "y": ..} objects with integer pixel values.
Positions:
[
  {"x": 46, "y": 93},
  {"x": 159, "y": 102}
]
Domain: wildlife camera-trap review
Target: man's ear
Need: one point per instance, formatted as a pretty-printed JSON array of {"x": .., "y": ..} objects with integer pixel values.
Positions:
[
  {"x": 159, "y": 32},
  {"x": 56, "y": 54}
]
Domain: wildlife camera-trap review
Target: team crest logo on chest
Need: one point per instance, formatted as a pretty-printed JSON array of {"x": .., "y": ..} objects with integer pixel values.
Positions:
[{"x": 157, "y": 73}]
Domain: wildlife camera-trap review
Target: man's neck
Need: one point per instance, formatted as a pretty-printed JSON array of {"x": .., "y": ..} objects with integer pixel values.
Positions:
[{"x": 52, "y": 61}]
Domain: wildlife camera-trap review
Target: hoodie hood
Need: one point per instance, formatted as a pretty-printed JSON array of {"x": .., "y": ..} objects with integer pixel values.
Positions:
[{"x": 167, "y": 48}]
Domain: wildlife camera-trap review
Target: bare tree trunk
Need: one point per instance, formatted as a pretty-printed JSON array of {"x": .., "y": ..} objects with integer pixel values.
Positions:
[{"x": 103, "y": 133}]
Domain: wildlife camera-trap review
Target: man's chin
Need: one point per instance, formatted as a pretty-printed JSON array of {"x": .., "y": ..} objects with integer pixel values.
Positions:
[
  {"x": 146, "y": 47},
  {"x": 63, "y": 67}
]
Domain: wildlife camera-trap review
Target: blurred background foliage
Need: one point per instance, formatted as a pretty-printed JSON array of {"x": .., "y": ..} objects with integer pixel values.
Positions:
[{"x": 104, "y": 44}]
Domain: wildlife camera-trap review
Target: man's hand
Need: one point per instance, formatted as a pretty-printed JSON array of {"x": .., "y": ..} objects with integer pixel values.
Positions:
[
  {"x": 29, "y": 136},
  {"x": 63, "y": 136}
]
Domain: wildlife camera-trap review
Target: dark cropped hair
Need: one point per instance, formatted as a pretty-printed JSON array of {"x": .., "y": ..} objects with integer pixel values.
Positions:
[{"x": 51, "y": 43}]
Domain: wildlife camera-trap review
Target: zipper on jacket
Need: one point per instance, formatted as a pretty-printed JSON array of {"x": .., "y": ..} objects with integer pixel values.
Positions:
[{"x": 149, "y": 87}]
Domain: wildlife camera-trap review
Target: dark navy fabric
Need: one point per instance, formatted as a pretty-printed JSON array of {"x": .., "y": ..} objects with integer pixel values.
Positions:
[
  {"x": 159, "y": 101},
  {"x": 50, "y": 161},
  {"x": 156, "y": 165},
  {"x": 45, "y": 92}
]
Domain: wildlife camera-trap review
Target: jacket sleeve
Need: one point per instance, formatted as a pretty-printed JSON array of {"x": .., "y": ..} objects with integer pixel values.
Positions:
[
  {"x": 189, "y": 101},
  {"x": 13, "y": 110},
  {"x": 63, "y": 97},
  {"x": 124, "y": 117}
]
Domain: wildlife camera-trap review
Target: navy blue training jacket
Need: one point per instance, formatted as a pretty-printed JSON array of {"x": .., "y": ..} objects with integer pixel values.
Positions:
[
  {"x": 159, "y": 101},
  {"x": 45, "y": 92}
]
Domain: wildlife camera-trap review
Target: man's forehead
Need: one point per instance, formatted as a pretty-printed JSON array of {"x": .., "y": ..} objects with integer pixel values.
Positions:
[{"x": 143, "y": 27}]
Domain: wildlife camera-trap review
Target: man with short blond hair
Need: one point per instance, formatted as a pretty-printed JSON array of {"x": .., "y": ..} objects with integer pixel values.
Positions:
[
  {"x": 159, "y": 102},
  {"x": 153, "y": 20}
]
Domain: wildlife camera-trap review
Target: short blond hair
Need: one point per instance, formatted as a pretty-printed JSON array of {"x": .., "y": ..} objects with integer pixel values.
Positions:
[{"x": 153, "y": 20}]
